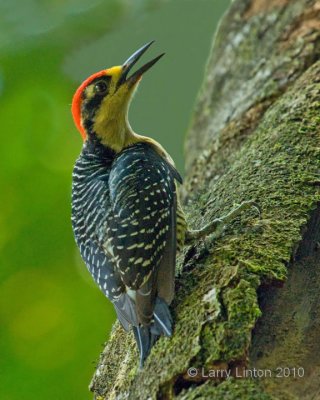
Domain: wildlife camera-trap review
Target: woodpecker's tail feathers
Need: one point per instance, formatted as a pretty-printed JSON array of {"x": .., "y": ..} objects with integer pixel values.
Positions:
[
  {"x": 126, "y": 311},
  {"x": 146, "y": 336},
  {"x": 162, "y": 324},
  {"x": 144, "y": 341}
]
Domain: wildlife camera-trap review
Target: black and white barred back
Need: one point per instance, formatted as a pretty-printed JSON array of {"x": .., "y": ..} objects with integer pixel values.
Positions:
[{"x": 124, "y": 210}]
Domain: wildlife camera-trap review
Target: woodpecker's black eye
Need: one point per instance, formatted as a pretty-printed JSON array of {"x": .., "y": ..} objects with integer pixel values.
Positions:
[{"x": 101, "y": 87}]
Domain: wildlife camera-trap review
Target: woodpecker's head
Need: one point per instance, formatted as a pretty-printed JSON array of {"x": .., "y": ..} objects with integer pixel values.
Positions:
[{"x": 100, "y": 105}]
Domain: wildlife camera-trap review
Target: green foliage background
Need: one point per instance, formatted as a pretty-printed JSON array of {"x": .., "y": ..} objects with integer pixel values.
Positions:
[{"x": 53, "y": 318}]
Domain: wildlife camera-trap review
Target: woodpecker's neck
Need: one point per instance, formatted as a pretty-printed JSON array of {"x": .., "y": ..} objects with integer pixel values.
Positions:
[
  {"x": 115, "y": 132},
  {"x": 93, "y": 148},
  {"x": 112, "y": 129},
  {"x": 128, "y": 138},
  {"x": 108, "y": 122}
]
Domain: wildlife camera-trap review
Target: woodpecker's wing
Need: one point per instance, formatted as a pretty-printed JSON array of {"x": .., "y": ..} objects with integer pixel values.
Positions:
[
  {"x": 140, "y": 232},
  {"x": 142, "y": 193},
  {"x": 166, "y": 270}
]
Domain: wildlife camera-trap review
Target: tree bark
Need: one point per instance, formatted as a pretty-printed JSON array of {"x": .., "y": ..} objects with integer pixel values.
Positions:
[{"x": 251, "y": 301}]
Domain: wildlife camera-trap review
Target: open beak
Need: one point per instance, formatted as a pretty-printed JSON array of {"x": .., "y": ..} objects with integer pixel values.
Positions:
[{"x": 131, "y": 61}]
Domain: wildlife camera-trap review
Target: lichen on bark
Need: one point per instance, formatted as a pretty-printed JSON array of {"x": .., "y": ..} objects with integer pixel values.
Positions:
[{"x": 254, "y": 135}]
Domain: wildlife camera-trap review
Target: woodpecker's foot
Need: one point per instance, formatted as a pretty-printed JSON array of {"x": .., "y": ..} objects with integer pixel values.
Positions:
[{"x": 217, "y": 226}]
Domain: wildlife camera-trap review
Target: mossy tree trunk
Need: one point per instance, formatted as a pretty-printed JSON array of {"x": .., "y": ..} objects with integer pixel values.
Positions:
[{"x": 252, "y": 299}]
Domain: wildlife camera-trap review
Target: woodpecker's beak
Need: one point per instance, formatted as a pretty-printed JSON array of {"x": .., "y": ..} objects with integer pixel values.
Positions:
[{"x": 131, "y": 61}]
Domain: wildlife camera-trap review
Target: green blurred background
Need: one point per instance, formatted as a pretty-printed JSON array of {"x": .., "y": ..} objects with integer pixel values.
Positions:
[{"x": 54, "y": 320}]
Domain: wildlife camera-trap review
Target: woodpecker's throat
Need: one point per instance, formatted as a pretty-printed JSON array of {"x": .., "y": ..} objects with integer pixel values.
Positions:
[{"x": 111, "y": 125}]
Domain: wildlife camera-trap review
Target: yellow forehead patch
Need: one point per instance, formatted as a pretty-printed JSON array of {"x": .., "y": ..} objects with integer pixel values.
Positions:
[{"x": 114, "y": 71}]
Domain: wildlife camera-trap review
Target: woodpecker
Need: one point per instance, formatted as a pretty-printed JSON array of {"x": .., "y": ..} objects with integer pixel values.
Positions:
[{"x": 126, "y": 216}]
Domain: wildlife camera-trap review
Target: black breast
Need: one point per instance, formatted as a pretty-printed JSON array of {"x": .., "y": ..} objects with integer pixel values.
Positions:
[
  {"x": 122, "y": 212},
  {"x": 90, "y": 208}
]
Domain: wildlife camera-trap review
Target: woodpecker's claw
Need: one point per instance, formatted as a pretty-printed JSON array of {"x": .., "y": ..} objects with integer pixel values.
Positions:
[{"x": 217, "y": 226}]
